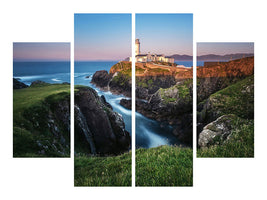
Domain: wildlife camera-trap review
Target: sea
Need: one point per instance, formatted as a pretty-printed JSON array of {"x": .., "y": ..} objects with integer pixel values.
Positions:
[
  {"x": 189, "y": 63},
  {"x": 50, "y": 72}
]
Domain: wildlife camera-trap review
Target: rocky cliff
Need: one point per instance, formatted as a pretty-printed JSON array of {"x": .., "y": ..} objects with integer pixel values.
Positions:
[
  {"x": 163, "y": 91},
  {"x": 224, "y": 91},
  {"x": 117, "y": 83},
  {"x": 172, "y": 105},
  {"x": 98, "y": 129}
]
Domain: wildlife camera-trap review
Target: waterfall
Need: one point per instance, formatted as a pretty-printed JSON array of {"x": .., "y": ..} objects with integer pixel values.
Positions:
[{"x": 80, "y": 119}]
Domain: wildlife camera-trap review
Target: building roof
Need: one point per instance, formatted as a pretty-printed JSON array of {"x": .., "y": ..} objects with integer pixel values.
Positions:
[{"x": 141, "y": 55}]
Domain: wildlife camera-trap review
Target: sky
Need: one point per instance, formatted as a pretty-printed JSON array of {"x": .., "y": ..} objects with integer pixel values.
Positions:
[
  {"x": 33, "y": 51},
  {"x": 165, "y": 33},
  {"x": 224, "y": 48},
  {"x": 102, "y": 36}
]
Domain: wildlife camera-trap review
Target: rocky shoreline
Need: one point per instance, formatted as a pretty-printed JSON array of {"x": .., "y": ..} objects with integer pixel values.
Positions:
[
  {"x": 165, "y": 94},
  {"x": 164, "y": 98}
]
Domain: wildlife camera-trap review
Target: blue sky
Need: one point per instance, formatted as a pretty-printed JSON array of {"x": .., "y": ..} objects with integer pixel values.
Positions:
[
  {"x": 165, "y": 33},
  {"x": 102, "y": 36},
  {"x": 41, "y": 51},
  {"x": 222, "y": 48}
]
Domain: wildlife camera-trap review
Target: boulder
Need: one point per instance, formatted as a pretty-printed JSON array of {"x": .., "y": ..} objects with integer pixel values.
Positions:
[
  {"x": 217, "y": 131},
  {"x": 105, "y": 127},
  {"x": 101, "y": 78},
  {"x": 126, "y": 103}
]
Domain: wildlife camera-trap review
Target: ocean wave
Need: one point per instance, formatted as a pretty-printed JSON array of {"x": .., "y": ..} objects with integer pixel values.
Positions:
[
  {"x": 25, "y": 78},
  {"x": 55, "y": 79}
]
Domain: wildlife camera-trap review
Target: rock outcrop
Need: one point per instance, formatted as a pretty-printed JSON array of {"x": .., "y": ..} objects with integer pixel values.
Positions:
[
  {"x": 117, "y": 83},
  {"x": 101, "y": 79},
  {"x": 18, "y": 85},
  {"x": 96, "y": 122}
]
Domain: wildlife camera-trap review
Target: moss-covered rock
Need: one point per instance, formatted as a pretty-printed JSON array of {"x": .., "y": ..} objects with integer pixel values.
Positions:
[
  {"x": 217, "y": 131},
  {"x": 236, "y": 99}
]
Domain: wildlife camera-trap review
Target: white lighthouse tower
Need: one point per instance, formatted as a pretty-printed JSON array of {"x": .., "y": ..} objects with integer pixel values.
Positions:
[{"x": 137, "y": 47}]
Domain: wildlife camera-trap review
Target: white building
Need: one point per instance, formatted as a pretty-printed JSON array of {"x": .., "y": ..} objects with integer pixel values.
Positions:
[{"x": 149, "y": 57}]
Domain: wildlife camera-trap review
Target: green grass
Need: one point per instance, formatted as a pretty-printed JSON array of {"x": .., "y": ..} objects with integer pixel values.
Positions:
[
  {"x": 123, "y": 67},
  {"x": 31, "y": 107},
  {"x": 103, "y": 171},
  {"x": 240, "y": 144},
  {"x": 121, "y": 79},
  {"x": 164, "y": 166},
  {"x": 161, "y": 166}
]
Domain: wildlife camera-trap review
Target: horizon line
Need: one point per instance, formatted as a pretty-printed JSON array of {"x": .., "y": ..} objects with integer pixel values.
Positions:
[{"x": 19, "y": 60}]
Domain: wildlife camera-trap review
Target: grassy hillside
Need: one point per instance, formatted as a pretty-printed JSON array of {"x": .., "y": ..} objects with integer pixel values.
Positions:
[
  {"x": 33, "y": 107},
  {"x": 237, "y": 99}
]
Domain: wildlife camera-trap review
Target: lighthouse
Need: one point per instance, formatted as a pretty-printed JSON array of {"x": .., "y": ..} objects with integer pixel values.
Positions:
[{"x": 137, "y": 47}]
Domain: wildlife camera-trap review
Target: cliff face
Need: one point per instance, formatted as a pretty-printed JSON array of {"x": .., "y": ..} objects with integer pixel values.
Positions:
[
  {"x": 236, "y": 68},
  {"x": 214, "y": 78},
  {"x": 98, "y": 129},
  {"x": 117, "y": 83}
]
